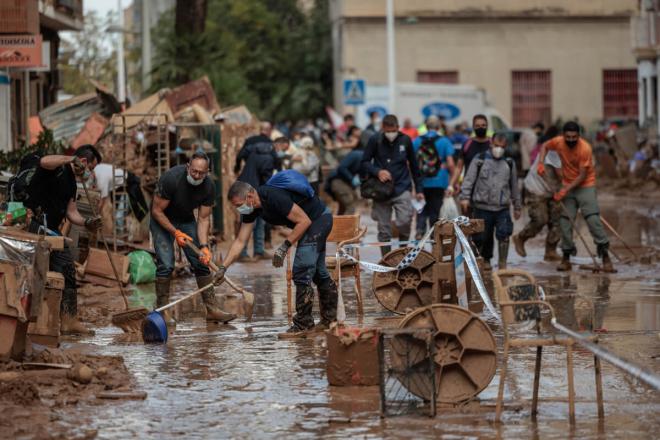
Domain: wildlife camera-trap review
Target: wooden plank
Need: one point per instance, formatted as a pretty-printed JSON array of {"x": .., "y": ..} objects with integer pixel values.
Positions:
[
  {"x": 99, "y": 264},
  {"x": 99, "y": 281}
]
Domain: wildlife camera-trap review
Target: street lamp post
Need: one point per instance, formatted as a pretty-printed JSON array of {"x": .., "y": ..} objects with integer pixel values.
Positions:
[{"x": 391, "y": 62}]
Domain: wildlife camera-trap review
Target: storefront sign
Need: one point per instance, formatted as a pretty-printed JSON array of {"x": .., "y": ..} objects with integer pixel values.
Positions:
[{"x": 20, "y": 50}]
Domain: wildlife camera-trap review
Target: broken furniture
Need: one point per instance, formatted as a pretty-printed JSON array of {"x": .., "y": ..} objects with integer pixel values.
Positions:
[
  {"x": 518, "y": 295},
  {"x": 352, "y": 356},
  {"x": 46, "y": 329},
  {"x": 23, "y": 268},
  {"x": 430, "y": 279}
]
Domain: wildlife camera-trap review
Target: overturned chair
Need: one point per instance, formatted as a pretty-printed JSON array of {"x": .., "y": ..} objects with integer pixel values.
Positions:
[
  {"x": 518, "y": 295},
  {"x": 345, "y": 230}
]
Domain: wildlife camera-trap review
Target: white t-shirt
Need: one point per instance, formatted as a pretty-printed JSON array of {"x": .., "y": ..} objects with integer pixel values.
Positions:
[
  {"x": 543, "y": 186},
  {"x": 103, "y": 174}
]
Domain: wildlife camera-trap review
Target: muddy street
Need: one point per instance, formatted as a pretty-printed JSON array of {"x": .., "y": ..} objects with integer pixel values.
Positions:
[{"x": 241, "y": 381}]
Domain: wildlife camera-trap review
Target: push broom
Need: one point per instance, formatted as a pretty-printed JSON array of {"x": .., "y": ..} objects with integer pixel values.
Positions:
[{"x": 129, "y": 320}]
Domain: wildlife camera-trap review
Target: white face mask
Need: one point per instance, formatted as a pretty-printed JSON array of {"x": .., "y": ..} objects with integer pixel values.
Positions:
[
  {"x": 194, "y": 182},
  {"x": 391, "y": 135},
  {"x": 245, "y": 209},
  {"x": 497, "y": 152}
]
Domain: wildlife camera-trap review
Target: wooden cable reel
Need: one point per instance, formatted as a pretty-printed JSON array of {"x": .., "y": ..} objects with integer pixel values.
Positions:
[
  {"x": 407, "y": 289},
  {"x": 465, "y": 357}
]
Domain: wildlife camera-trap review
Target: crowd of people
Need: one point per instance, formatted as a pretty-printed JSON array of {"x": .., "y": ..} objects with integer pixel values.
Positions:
[{"x": 410, "y": 172}]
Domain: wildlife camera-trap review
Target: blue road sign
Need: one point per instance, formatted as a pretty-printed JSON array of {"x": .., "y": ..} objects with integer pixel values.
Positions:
[{"x": 354, "y": 90}]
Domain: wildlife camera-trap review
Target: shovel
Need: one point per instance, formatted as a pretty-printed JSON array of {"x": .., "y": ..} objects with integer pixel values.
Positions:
[
  {"x": 247, "y": 296},
  {"x": 129, "y": 320}
]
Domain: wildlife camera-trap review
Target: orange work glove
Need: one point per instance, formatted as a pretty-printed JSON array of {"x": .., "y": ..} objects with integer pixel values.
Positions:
[
  {"x": 540, "y": 168},
  {"x": 559, "y": 195},
  {"x": 182, "y": 238},
  {"x": 205, "y": 256}
]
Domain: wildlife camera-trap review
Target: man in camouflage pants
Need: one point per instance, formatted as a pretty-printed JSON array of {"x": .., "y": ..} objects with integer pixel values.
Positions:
[{"x": 542, "y": 209}]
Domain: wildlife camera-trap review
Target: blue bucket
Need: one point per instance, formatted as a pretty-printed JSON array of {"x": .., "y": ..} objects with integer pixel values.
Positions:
[{"x": 154, "y": 328}]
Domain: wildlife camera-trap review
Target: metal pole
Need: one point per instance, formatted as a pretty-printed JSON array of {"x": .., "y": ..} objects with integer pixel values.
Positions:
[
  {"x": 146, "y": 47},
  {"x": 391, "y": 62},
  {"x": 121, "y": 80},
  {"x": 26, "y": 107}
]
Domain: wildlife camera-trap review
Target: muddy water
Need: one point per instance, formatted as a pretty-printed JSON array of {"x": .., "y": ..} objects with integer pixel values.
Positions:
[{"x": 240, "y": 381}]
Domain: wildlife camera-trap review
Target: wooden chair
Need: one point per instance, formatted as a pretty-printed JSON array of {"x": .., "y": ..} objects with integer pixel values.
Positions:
[
  {"x": 520, "y": 302},
  {"x": 345, "y": 230}
]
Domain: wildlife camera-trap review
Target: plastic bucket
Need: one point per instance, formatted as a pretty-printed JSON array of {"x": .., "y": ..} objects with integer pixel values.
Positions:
[{"x": 154, "y": 328}]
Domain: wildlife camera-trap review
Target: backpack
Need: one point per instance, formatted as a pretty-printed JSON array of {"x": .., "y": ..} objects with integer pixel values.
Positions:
[
  {"x": 427, "y": 157},
  {"x": 292, "y": 180},
  {"x": 17, "y": 186},
  {"x": 480, "y": 161}
]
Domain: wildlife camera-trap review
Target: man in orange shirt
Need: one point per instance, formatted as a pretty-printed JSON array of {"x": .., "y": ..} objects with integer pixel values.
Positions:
[{"x": 578, "y": 191}]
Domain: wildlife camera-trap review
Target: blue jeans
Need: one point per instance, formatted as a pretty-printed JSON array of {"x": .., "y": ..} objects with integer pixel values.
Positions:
[
  {"x": 309, "y": 261},
  {"x": 164, "y": 246},
  {"x": 258, "y": 238},
  {"x": 498, "y": 222}
]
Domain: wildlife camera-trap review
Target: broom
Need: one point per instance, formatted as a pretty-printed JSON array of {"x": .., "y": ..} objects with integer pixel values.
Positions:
[
  {"x": 129, "y": 320},
  {"x": 247, "y": 296}
]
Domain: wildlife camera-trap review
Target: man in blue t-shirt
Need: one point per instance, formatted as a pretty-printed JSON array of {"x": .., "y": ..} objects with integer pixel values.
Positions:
[{"x": 442, "y": 183}]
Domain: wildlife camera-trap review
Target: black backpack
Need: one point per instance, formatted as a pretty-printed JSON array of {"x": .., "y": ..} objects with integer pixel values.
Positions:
[
  {"x": 428, "y": 158},
  {"x": 17, "y": 186}
]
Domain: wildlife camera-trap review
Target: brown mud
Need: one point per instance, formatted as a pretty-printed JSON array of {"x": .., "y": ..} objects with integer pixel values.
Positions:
[{"x": 241, "y": 381}]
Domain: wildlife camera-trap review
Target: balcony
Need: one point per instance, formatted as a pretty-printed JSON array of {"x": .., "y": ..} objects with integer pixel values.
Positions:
[
  {"x": 62, "y": 15},
  {"x": 645, "y": 35}
]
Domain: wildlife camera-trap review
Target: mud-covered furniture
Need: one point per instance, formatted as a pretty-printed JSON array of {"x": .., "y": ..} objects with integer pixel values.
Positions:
[
  {"x": 521, "y": 303},
  {"x": 345, "y": 230}
]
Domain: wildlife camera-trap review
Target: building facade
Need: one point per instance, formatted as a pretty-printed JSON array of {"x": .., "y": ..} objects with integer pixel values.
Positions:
[
  {"x": 24, "y": 91},
  {"x": 537, "y": 60},
  {"x": 646, "y": 48}
]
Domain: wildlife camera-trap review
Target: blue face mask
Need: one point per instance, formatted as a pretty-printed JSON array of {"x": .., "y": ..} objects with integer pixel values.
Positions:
[{"x": 245, "y": 209}]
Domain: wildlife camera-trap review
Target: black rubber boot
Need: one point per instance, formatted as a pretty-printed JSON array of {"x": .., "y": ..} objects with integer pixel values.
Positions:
[
  {"x": 502, "y": 253},
  {"x": 303, "y": 319},
  {"x": 327, "y": 304},
  {"x": 565, "y": 264},
  {"x": 213, "y": 311}
]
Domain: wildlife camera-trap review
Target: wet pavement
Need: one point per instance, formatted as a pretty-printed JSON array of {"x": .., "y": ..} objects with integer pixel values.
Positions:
[{"x": 240, "y": 381}]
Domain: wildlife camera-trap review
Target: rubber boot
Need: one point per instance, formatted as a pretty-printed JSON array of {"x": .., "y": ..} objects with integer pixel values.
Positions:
[
  {"x": 303, "y": 320},
  {"x": 327, "y": 304},
  {"x": 551, "y": 254},
  {"x": 565, "y": 264},
  {"x": 163, "y": 298},
  {"x": 502, "y": 253},
  {"x": 213, "y": 311},
  {"x": 70, "y": 325},
  {"x": 487, "y": 266},
  {"x": 608, "y": 267},
  {"x": 384, "y": 250},
  {"x": 519, "y": 245}
]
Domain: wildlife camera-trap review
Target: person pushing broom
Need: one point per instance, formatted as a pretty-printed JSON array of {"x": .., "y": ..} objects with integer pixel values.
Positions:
[{"x": 180, "y": 191}]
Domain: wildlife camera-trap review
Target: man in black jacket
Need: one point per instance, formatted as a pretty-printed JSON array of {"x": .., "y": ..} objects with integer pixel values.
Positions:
[{"x": 389, "y": 156}]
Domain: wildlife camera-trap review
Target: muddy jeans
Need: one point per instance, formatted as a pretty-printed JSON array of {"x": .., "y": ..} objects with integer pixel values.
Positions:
[
  {"x": 585, "y": 200},
  {"x": 309, "y": 266},
  {"x": 498, "y": 222},
  {"x": 542, "y": 212},
  {"x": 345, "y": 196},
  {"x": 403, "y": 213},
  {"x": 164, "y": 247}
]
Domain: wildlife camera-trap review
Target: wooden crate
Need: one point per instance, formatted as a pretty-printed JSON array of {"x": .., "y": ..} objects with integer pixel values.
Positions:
[{"x": 46, "y": 329}]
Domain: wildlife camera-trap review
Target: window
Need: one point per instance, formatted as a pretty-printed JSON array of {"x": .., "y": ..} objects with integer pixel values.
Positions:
[
  {"x": 620, "y": 93},
  {"x": 439, "y": 77},
  {"x": 531, "y": 97}
]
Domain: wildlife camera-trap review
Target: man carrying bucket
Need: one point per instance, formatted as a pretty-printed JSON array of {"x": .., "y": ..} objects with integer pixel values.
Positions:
[
  {"x": 180, "y": 191},
  {"x": 287, "y": 199}
]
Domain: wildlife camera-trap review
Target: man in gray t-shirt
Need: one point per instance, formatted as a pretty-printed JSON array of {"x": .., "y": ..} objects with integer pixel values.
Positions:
[{"x": 543, "y": 210}]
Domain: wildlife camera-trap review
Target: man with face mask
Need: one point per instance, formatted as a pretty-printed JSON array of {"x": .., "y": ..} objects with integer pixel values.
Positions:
[
  {"x": 490, "y": 188},
  {"x": 180, "y": 191},
  {"x": 578, "y": 192},
  {"x": 51, "y": 197},
  {"x": 310, "y": 222},
  {"x": 390, "y": 157},
  {"x": 478, "y": 144}
]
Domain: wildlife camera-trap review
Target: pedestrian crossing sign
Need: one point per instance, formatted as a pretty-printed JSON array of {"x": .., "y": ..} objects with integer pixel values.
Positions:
[{"x": 354, "y": 91}]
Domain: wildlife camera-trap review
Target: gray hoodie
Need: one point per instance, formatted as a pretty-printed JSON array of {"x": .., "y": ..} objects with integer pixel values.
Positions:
[{"x": 495, "y": 187}]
